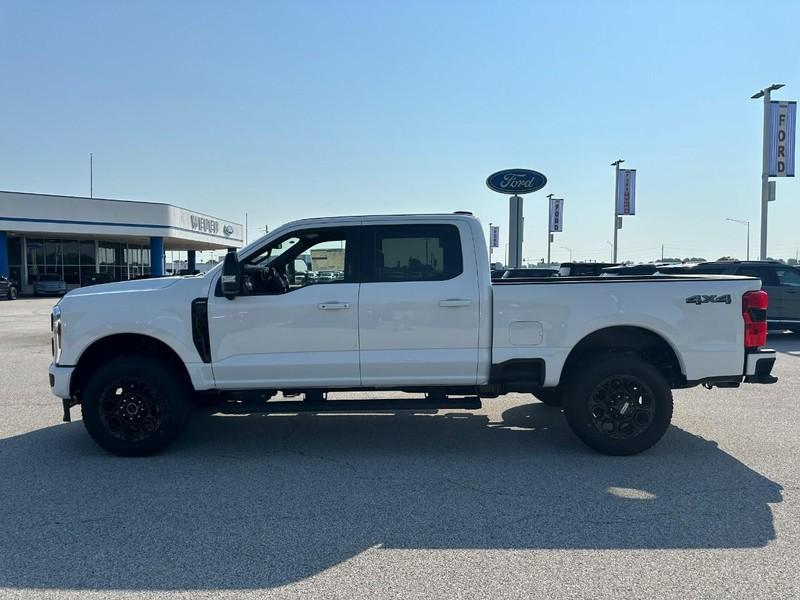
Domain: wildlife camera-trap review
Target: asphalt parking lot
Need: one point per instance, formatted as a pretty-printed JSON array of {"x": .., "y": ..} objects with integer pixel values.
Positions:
[{"x": 498, "y": 503}]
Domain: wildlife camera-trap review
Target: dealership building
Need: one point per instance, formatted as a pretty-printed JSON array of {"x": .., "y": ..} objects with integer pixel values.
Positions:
[{"x": 84, "y": 240}]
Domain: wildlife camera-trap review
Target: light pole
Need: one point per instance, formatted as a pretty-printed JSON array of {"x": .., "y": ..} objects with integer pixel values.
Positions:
[
  {"x": 743, "y": 222},
  {"x": 570, "y": 252},
  {"x": 549, "y": 235},
  {"x": 765, "y": 93},
  {"x": 616, "y": 165},
  {"x": 612, "y": 250}
]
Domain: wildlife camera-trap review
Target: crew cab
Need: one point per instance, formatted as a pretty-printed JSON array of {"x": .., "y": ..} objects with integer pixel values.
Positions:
[{"x": 411, "y": 307}]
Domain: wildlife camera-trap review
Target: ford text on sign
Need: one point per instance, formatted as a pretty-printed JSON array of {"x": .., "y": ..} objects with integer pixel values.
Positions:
[
  {"x": 494, "y": 236},
  {"x": 556, "y": 214},
  {"x": 516, "y": 181},
  {"x": 626, "y": 192},
  {"x": 782, "y": 121}
]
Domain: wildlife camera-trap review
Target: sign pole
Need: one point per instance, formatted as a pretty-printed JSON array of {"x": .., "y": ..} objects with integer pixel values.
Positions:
[
  {"x": 549, "y": 235},
  {"x": 490, "y": 245},
  {"x": 615, "y": 164},
  {"x": 765, "y": 93},
  {"x": 515, "y": 227},
  {"x": 765, "y": 178}
]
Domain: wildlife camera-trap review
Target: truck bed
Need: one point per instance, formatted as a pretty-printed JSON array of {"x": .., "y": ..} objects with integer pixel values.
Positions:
[{"x": 544, "y": 318}]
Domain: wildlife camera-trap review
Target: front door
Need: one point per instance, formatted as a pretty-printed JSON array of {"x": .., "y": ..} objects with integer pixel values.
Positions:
[
  {"x": 291, "y": 327},
  {"x": 419, "y": 306}
]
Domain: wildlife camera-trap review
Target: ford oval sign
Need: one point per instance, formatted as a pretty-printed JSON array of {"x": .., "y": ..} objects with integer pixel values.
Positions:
[{"x": 516, "y": 181}]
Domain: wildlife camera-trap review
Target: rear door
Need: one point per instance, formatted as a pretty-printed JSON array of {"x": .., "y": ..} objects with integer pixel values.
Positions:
[
  {"x": 789, "y": 284},
  {"x": 769, "y": 283},
  {"x": 418, "y": 305}
]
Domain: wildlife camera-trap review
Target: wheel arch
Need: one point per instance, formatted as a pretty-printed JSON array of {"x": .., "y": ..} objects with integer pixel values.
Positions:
[
  {"x": 113, "y": 346},
  {"x": 646, "y": 343}
]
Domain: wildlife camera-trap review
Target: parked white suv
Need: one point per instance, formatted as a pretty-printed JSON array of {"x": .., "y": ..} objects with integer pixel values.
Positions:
[{"x": 414, "y": 310}]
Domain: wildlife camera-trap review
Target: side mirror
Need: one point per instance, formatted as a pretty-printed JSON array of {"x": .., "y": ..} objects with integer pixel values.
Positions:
[{"x": 231, "y": 276}]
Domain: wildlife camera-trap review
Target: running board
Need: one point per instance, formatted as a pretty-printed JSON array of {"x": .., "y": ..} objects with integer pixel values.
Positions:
[{"x": 381, "y": 405}]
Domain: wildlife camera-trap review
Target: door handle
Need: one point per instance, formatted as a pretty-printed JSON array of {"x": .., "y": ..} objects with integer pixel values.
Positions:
[
  {"x": 455, "y": 302},
  {"x": 333, "y": 305}
]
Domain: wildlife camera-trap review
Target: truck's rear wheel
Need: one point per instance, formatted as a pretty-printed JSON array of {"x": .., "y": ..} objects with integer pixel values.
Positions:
[
  {"x": 619, "y": 404},
  {"x": 134, "y": 406},
  {"x": 549, "y": 396}
]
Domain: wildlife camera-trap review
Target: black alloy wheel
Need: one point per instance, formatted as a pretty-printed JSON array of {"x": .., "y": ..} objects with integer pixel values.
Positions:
[
  {"x": 135, "y": 405},
  {"x": 617, "y": 403},
  {"x": 131, "y": 410},
  {"x": 622, "y": 407}
]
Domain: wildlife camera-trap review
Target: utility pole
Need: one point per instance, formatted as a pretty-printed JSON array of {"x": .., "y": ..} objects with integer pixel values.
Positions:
[
  {"x": 662, "y": 252},
  {"x": 616, "y": 165},
  {"x": 549, "y": 235},
  {"x": 91, "y": 176},
  {"x": 765, "y": 93}
]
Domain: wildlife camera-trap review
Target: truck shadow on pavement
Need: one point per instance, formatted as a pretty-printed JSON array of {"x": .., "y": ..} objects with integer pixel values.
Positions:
[{"x": 263, "y": 501}]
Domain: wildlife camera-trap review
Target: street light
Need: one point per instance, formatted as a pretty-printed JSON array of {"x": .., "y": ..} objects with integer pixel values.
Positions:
[
  {"x": 570, "y": 252},
  {"x": 743, "y": 222},
  {"x": 612, "y": 250},
  {"x": 765, "y": 165}
]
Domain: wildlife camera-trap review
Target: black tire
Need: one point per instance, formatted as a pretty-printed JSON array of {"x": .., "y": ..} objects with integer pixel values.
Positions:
[
  {"x": 144, "y": 422},
  {"x": 550, "y": 396},
  {"x": 618, "y": 404},
  {"x": 12, "y": 293}
]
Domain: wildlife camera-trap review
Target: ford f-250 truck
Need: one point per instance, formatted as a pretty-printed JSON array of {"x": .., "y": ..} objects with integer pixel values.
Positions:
[{"x": 406, "y": 304}]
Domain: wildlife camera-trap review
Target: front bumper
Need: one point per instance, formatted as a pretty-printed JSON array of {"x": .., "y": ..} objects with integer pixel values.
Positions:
[
  {"x": 59, "y": 380},
  {"x": 758, "y": 366}
]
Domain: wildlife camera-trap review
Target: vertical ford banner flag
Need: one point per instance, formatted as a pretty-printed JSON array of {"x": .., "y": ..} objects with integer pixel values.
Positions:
[
  {"x": 626, "y": 192},
  {"x": 782, "y": 121},
  {"x": 494, "y": 236},
  {"x": 556, "y": 214}
]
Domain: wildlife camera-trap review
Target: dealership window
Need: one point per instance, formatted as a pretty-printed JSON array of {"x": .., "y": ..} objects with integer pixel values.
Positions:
[
  {"x": 76, "y": 260},
  {"x": 15, "y": 258}
]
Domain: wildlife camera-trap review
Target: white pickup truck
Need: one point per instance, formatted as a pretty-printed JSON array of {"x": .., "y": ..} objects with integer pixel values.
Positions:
[{"x": 397, "y": 303}]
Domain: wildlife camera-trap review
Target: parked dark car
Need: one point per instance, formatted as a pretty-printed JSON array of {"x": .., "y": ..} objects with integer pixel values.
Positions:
[
  {"x": 780, "y": 281},
  {"x": 529, "y": 272},
  {"x": 8, "y": 288},
  {"x": 49, "y": 284},
  {"x": 648, "y": 269},
  {"x": 584, "y": 269}
]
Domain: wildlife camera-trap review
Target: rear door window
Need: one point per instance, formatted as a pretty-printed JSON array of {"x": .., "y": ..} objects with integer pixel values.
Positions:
[
  {"x": 788, "y": 276},
  {"x": 412, "y": 253},
  {"x": 765, "y": 274}
]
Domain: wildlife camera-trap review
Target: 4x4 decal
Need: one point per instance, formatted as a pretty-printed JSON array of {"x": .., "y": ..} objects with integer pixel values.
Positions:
[{"x": 706, "y": 298}]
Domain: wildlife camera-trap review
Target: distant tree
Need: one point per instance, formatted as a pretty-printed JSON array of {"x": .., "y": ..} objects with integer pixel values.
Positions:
[
  {"x": 727, "y": 258},
  {"x": 792, "y": 261}
]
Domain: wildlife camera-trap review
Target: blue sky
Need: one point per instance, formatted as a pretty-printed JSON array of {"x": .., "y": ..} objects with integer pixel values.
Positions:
[{"x": 287, "y": 110}]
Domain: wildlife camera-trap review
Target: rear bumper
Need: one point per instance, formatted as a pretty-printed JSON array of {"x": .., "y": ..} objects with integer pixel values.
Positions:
[
  {"x": 59, "y": 380},
  {"x": 758, "y": 366}
]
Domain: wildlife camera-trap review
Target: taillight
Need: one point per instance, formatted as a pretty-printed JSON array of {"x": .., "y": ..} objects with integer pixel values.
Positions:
[{"x": 754, "y": 312}]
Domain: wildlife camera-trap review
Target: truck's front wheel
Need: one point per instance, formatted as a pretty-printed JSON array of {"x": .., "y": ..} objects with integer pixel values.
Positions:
[
  {"x": 619, "y": 404},
  {"x": 135, "y": 406}
]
